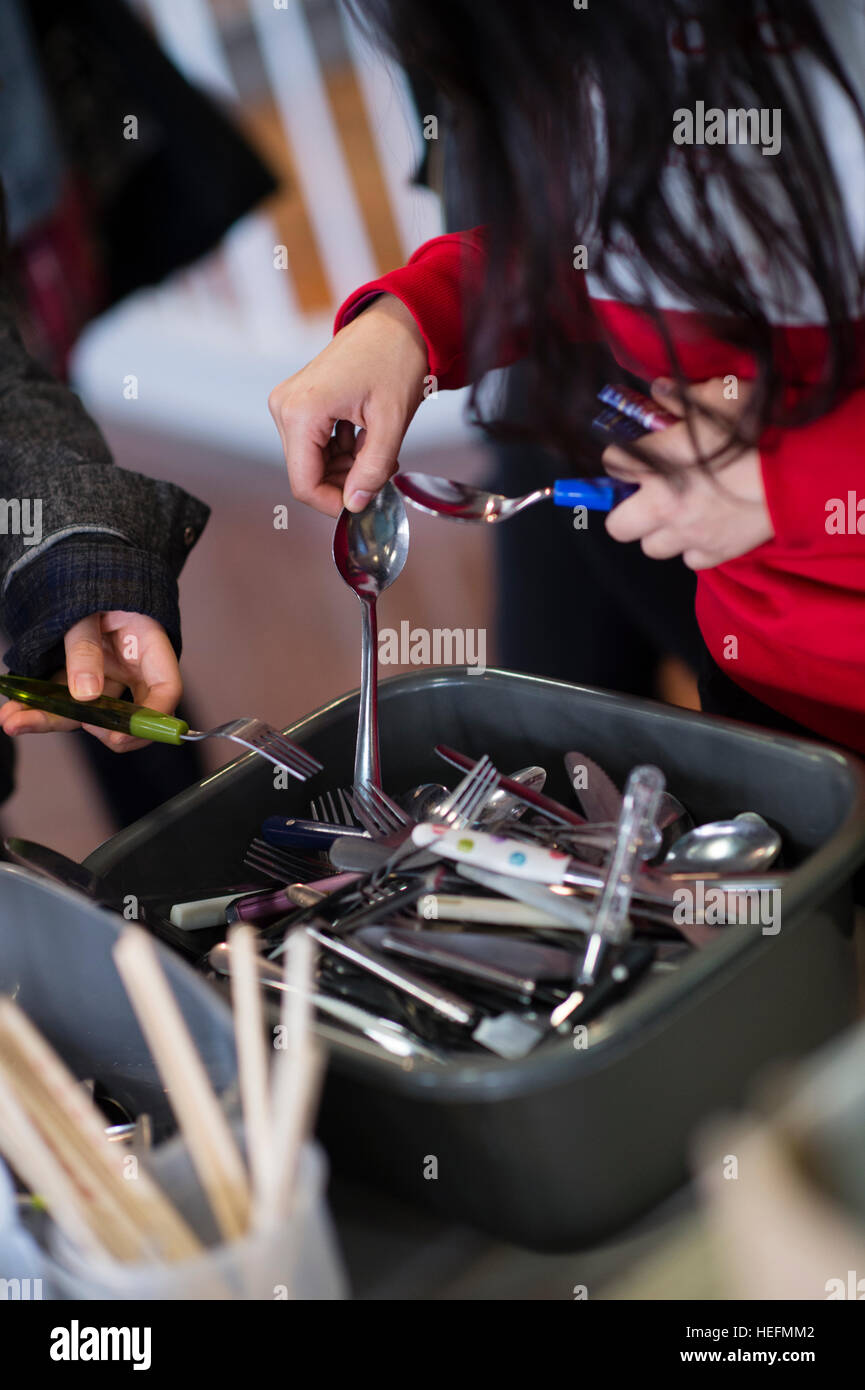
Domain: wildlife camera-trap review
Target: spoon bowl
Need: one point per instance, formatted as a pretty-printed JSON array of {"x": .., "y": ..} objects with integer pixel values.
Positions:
[
  {"x": 369, "y": 550},
  {"x": 370, "y": 547},
  {"x": 423, "y": 798},
  {"x": 504, "y": 806},
  {"x": 745, "y": 844}
]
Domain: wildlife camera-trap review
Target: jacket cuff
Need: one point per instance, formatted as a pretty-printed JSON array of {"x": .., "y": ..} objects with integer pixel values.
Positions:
[{"x": 73, "y": 578}]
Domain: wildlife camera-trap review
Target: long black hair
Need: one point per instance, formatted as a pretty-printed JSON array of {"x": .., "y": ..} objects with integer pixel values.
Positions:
[{"x": 564, "y": 120}]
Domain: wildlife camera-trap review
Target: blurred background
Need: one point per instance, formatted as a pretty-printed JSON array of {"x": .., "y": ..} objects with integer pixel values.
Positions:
[
  {"x": 269, "y": 628},
  {"x": 178, "y": 374}
]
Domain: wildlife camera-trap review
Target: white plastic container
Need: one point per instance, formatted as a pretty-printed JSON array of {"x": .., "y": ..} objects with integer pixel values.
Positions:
[
  {"x": 298, "y": 1259},
  {"x": 22, "y": 1263}
]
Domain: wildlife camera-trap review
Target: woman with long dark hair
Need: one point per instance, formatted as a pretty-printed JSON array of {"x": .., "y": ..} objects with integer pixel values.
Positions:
[{"x": 684, "y": 182}]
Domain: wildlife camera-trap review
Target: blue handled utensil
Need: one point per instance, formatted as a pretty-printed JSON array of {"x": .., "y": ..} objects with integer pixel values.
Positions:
[
  {"x": 459, "y": 502},
  {"x": 626, "y": 416}
]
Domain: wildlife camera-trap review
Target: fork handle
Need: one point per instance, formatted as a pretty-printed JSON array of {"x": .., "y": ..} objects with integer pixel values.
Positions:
[{"x": 104, "y": 712}]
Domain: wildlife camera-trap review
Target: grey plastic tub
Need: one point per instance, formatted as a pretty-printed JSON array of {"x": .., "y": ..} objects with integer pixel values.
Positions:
[
  {"x": 55, "y": 960},
  {"x": 568, "y": 1145}
]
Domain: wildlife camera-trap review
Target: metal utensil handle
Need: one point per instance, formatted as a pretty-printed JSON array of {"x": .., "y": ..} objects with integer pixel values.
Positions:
[
  {"x": 104, "y": 712},
  {"x": 441, "y": 1001},
  {"x": 443, "y": 959},
  {"x": 367, "y": 764}
]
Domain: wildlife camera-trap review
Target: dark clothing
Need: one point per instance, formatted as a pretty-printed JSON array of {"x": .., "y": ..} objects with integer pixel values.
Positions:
[
  {"x": 108, "y": 539},
  {"x": 159, "y": 200},
  {"x": 721, "y": 695}
]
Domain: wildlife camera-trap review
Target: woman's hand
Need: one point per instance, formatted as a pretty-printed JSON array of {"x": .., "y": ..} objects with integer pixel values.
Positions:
[
  {"x": 707, "y": 516},
  {"x": 369, "y": 378},
  {"x": 106, "y": 654}
]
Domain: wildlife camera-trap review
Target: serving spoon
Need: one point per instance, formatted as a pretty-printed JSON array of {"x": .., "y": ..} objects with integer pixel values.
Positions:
[{"x": 369, "y": 551}]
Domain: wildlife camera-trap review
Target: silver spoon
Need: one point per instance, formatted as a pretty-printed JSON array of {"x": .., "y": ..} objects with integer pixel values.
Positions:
[
  {"x": 504, "y": 806},
  {"x": 745, "y": 844},
  {"x": 459, "y": 502},
  {"x": 421, "y": 799},
  {"x": 369, "y": 551}
]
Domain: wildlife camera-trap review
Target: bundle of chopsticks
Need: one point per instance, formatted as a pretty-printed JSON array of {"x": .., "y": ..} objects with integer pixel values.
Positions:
[{"x": 53, "y": 1135}]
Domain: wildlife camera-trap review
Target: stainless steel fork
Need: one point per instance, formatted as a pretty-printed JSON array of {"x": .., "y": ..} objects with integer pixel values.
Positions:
[
  {"x": 333, "y": 808},
  {"x": 378, "y": 813},
  {"x": 469, "y": 796},
  {"x": 382, "y": 816},
  {"x": 263, "y": 739},
  {"x": 139, "y": 721},
  {"x": 282, "y": 865}
]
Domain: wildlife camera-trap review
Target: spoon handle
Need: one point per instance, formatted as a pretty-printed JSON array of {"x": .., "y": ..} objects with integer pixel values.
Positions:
[
  {"x": 596, "y": 494},
  {"x": 367, "y": 764}
]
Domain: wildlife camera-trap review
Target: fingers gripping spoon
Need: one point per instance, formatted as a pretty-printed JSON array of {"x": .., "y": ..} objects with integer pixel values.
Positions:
[{"x": 369, "y": 551}]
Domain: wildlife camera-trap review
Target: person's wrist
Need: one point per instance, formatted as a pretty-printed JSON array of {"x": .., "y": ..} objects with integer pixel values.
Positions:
[{"x": 389, "y": 308}]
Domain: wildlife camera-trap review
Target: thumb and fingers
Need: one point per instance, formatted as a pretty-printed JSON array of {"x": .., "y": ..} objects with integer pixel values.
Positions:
[
  {"x": 107, "y": 654},
  {"x": 139, "y": 657},
  {"x": 84, "y": 674}
]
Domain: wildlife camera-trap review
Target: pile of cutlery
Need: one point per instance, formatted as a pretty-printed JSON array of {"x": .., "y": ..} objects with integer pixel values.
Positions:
[
  {"x": 489, "y": 918},
  {"x": 497, "y": 919}
]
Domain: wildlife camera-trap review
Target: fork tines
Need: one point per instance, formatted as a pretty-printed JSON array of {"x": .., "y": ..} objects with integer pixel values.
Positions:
[
  {"x": 334, "y": 807},
  {"x": 281, "y": 750},
  {"x": 377, "y": 812},
  {"x": 470, "y": 795},
  {"x": 281, "y": 864}
]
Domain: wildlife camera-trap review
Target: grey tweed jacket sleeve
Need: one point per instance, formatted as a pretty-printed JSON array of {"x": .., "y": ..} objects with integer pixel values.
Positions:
[{"x": 78, "y": 535}]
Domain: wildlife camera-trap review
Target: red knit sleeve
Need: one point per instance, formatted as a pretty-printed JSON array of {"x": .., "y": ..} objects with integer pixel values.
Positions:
[
  {"x": 815, "y": 481},
  {"x": 437, "y": 284}
]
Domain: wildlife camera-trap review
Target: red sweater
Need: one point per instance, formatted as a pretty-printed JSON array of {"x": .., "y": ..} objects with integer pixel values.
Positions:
[{"x": 796, "y": 605}]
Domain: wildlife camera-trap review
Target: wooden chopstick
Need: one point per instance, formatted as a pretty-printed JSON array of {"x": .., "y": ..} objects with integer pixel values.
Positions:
[
  {"x": 42, "y": 1078},
  {"x": 43, "y": 1172},
  {"x": 297, "y": 1072},
  {"x": 123, "y": 1236},
  {"x": 211, "y": 1143},
  {"x": 54, "y": 1135},
  {"x": 252, "y": 1064}
]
